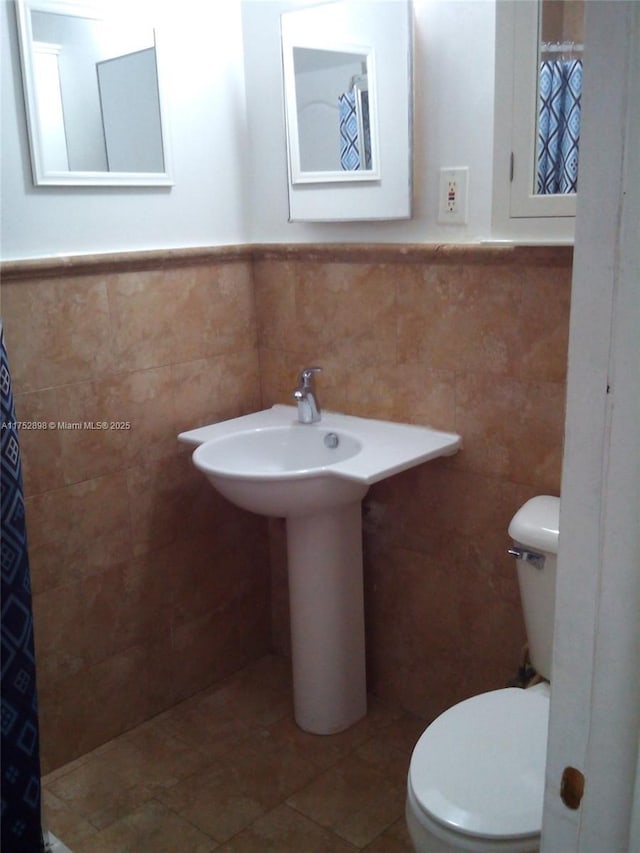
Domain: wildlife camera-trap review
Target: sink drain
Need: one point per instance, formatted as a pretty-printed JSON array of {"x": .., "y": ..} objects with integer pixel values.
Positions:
[{"x": 331, "y": 440}]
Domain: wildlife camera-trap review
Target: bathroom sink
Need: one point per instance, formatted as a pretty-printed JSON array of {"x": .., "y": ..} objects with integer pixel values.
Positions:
[
  {"x": 315, "y": 475},
  {"x": 271, "y": 464},
  {"x": 281, "y": 470}
]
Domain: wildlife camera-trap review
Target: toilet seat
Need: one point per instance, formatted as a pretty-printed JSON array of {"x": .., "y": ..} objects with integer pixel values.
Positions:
[{"x": 478, "y": 769}]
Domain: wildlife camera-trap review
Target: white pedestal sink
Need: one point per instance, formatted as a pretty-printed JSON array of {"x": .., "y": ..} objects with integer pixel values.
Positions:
[{"x": 315, "y": 476}]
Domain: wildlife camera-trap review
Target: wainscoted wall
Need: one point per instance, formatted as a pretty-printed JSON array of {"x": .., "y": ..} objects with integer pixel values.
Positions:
[
  {"x": 467, "y": 339},
  {"x": 148, "y": 587}
]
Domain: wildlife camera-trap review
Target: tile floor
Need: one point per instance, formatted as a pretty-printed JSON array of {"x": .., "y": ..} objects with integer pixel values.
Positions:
[{"x": 228, "y": 770}]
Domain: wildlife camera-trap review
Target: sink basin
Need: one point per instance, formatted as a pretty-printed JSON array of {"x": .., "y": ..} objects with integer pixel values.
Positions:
[
  {"x": 271, "y": 464},
  {"x": 281, "y": 470},
  {"x": 315, "y": 475}
]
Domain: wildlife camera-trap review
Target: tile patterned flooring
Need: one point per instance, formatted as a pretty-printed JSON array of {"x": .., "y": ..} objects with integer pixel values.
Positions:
[{"x": 228, "y": 770}]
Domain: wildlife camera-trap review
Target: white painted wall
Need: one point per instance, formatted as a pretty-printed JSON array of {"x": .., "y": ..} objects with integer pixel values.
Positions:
[
  {"x": 202, "y": 52},
  {"x": 229, "y": 157},
  {"x": 453, "y": 124}
]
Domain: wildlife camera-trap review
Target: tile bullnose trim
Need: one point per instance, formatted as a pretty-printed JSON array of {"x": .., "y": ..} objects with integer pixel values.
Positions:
[
  {"x": 118, "y": 262},
  {"x": 468, "y": 253},
  {"x": 471, "y": 253}
]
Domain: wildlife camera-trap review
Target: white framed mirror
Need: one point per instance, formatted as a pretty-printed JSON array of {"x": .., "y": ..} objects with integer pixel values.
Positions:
[
  {"x": 348, "y": 101},
  {"x": 93, "y": 96}
]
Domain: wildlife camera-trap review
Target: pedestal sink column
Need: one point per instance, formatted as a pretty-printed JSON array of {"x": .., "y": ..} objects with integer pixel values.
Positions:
[
  {"x": 315, "y": 475},
  {"x": 327, "y": 619}
]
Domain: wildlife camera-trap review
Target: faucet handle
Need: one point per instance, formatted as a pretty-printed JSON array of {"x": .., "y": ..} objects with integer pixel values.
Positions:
[{"x": 306, "y": 376}]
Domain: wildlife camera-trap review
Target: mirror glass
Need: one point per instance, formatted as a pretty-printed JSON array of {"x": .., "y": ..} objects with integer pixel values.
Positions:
[
  {"x": 560, "y": 67},
  {"x": 93, "y": 96},
  {"x": 331, "y": 127}
]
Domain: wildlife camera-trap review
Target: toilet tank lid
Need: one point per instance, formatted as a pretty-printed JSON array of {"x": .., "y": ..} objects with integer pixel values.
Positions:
[{"x": 537, "y": 523}]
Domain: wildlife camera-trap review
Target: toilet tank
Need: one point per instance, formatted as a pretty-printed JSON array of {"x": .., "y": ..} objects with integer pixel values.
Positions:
[{"x": 535, "y": 530}]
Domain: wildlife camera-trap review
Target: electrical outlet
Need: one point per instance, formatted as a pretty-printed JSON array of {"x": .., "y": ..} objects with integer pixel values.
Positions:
[{"x": 452, "y": 205}]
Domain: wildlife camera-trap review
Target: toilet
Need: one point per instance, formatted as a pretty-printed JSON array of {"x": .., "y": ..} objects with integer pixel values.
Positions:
[{"x": 476, "y": 778}]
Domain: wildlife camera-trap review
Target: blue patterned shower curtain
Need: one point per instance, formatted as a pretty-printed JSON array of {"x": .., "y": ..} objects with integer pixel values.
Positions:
[
  {"x": 560, "y": 88},
  {"x": 21, "y": 816}
]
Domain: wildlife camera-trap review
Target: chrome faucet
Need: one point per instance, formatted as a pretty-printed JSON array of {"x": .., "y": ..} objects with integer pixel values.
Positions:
[{"x": 305, "y": 397}]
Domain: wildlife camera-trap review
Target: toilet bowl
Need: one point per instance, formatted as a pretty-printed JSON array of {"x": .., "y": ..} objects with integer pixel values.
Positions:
[
  {"x": 477, "y": 773},
  {"x": 476, "y": 778}
]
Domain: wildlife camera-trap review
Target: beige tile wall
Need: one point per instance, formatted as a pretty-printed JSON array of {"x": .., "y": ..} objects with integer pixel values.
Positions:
[
  {"x": 147, "y": 586},
  {"x": 140, "y": 598},
  {"x": 466, "y": 339}
]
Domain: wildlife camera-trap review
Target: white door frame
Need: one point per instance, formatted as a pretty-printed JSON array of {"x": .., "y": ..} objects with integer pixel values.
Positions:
[{"x": 595, "y": 705}]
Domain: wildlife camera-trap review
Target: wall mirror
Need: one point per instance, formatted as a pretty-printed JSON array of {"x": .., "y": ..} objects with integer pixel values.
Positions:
[
  {"x": 93, "y": 96},
  {"x": 347, "y": 83}
]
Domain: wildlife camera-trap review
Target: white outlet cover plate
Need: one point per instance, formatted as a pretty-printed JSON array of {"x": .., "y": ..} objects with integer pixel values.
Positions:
[{"x": 453, "y": 211}]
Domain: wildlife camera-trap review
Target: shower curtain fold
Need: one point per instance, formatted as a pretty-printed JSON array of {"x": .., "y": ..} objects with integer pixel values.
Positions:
[
  {"x": 21, "y": 796},
  {"x": 355, "y": 130},
  {"x": 349, "y": 144}
]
